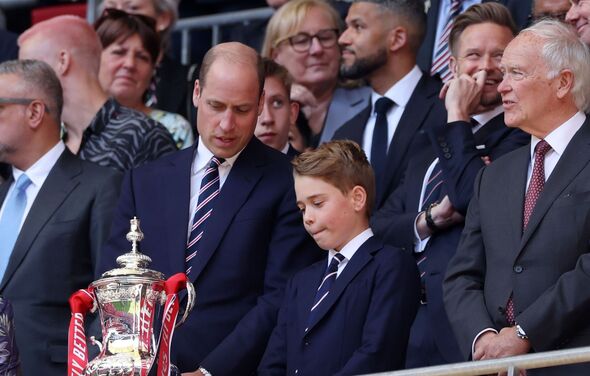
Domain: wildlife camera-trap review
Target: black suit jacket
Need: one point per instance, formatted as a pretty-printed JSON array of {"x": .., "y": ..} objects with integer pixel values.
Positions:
[
  {"x": 423, "y": 108},
  {"x": 55, "y": 255},
  {"x": 546, "y": 267},
  {"x": 459, "y": 152},
  {"x": 520, "y": 10}
]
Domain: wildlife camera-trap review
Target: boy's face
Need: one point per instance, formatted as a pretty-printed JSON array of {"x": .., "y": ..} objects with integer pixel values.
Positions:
[
  {"x": 278, "y": 115},
  {"x": 329, "y": 216}
]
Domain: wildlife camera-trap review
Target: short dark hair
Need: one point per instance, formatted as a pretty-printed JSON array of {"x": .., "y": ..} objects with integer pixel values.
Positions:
[
  {"x": 341, "y": 163},
  {"x": 411, "y": 12},
  {"x": 115, "y": 25},
  {"x": 477, "y": 14},
  {"x": 38, "y": 75},
  {"x": 274, "y": 69},
  {"x": 220, "y": 51}
]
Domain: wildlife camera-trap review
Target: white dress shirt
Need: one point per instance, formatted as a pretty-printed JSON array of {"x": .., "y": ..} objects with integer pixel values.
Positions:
[
  {"x": 37, "y": 173},
  {"x": 349, "y": 249},
  {"x": 400, "y": 93}
]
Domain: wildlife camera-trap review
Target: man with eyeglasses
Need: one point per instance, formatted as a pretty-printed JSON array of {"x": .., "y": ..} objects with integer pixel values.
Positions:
[
  {"x": 380, "y": 45},
  {"x": 578, "y": 16},
  {"x": 55, "y": 214}
]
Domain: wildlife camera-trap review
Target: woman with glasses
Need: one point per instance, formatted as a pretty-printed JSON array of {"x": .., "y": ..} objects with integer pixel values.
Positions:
[
  {"x": 131, "y": 48},
  {"x": 303, "y": 37}
]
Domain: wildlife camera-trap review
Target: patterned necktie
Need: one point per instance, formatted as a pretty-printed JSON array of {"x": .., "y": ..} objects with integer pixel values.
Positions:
[
  {"x": 207, "y": 194},
  {"x": 380, "y": 139},
  {"x": 325, "y": 286},
  {"x": 534, "y": 191},
  {"x": 11, "y": 219},
  {"x": 442, "y": 55}
]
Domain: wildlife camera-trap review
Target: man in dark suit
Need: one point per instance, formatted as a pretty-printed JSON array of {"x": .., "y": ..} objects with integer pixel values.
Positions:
[
  {"x": 519, "y": 280},
  {"x": 380, "y": 45},
  {"x": 438, "y": 12},
  {"x": 439, "y": 180},
  {"x": 55, "y": 213},
  {"x": 243, "y": 248}
]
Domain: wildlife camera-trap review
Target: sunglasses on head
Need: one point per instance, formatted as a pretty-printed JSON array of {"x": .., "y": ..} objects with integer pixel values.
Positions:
[{"x": 116, "y": 14}]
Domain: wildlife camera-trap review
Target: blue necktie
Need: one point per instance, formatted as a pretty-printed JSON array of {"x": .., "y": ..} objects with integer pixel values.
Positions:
[
  {"x": 325, "y": 286},
  {"x": 207, "y": 194},
  {"x": 11, "y": 219},
  {"x": 380, "y": 139}
]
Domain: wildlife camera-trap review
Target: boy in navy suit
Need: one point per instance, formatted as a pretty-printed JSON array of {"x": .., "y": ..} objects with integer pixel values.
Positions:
[{"x": 350, "y": 313}]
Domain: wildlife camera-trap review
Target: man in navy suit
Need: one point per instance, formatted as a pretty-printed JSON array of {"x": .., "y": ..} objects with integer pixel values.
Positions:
[
  {"x": 519, "y": 279},
  {"x": 380, "y": 44},
  {"x": 350, "y": 313},
  {"x": 240, "y": 252},
  {"x": 425, "y": 214}
]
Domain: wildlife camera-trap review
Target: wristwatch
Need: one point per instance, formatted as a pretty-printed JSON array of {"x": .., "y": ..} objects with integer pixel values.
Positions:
[
  {"x": 428, "y": 216},
  {"x": 204, "y": 371},
  {"x": 520, "y": 332}
]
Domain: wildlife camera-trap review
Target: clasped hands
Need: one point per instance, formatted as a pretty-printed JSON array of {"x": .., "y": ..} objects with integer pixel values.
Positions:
[{"x": 492, "y": 345}]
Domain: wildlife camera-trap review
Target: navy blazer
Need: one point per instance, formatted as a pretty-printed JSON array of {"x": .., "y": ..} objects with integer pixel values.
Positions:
[
  {"x": 363, "y": 324},
  {"x": 545, "y": 267},
  {"x": 459, "y": 152},
  {"x": 520, "y": 10},
  {"x": 55, "y": 254},
  {"x": 423, "y": 108},
  {"x": 253, "y": 242}
]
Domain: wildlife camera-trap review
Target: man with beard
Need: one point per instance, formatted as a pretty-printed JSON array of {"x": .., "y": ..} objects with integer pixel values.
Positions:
[
  {"x": 380, "y": 45},
  {"x": 425, "y": 214}
]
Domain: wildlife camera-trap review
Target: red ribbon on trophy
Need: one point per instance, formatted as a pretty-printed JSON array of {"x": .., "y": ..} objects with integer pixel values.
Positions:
[
  {"x": 81, "y": 302},
  {"x": 172, "y": 286}
]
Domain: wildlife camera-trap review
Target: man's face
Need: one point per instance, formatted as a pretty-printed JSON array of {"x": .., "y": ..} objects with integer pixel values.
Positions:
[
  {"x": 526, "y": 91},
  {"x": 13, "y": 123},
  {"x": 228, "y": 106},
  {"x": 550, "y": 9},
  {"x": 480, "y": 47},
  {"x": 278, "y": 115},
  {"x": 328, "y": 214},
  {"x": 364, "y": 42},
  {"x": 578, "y": 15}
]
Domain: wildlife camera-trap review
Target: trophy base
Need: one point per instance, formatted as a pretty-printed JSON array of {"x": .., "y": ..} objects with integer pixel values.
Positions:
[{"x": 124, "y": 365}]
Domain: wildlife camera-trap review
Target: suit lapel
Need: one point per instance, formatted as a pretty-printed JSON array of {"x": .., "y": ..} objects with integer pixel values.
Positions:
[
  {"x": 60, "y": 182},
  {"x": 357, "y": 126},
  {"x": 241, "y": 180},
  {"x": 175, "y": 180},
  {"x": 514, "y": 194},
  {"x": 307, "y": 291},
  {"x": 490, "y": 133},
  {"x": 575, "y": 157},
  {"x": 362, "y": 256}
]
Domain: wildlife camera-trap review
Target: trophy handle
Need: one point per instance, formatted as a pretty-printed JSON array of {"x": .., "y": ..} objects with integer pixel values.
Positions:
[{"x": 190, "y": 303}]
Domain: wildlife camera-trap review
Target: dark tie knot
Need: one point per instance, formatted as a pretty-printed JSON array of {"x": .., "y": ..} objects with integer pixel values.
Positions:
[
  {"x": 216, "y": 162},
  {"x": 339, "y": 257},
  {"x": 542, "y": 148},
  {"x": 383, "y": 105}
]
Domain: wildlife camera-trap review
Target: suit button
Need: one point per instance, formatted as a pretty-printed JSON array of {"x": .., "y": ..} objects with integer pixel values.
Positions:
[
  {"x": 447, "y": 155},
  {"x": 444, "y": 144},
  {"x": 306, "y": 343},
  {"x": 518, "y": 269},
  {"x": 446, "y": 150},
  {"x": 296, "y": 371}
]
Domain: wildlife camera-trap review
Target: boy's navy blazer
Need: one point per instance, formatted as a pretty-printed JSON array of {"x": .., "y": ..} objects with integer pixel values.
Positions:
[{"x": 363, "y": 324}]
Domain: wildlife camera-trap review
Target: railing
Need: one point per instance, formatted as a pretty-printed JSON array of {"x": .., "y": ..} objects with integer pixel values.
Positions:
[
  {"x": 213, "y": 22},
  {"x": 510, "y": 365}
]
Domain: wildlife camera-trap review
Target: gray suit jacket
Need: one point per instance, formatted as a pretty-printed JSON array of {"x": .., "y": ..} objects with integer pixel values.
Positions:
[
  {"x": 55, "y": 255},
  {"x": 546, "y": 267},
  {"x": 346, "y": 103}
]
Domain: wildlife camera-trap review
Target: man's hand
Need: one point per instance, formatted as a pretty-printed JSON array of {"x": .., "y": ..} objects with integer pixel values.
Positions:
[
  {"x": 462, "y": 96},
  {"x": 507, "y": 343},
  {"x": 482, "y": 343},
  {"x": 444, "y": 215}
]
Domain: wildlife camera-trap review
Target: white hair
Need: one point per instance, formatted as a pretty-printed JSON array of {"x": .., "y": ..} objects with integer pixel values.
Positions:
[{"x": 562, "y": 49}]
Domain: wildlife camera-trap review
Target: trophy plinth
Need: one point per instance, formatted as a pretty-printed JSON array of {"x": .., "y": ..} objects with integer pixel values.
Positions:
[{"x": 128, "y": 299}]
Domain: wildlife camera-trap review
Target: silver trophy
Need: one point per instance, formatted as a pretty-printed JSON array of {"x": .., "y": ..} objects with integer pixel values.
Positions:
[{"x": 128, "y": 299}]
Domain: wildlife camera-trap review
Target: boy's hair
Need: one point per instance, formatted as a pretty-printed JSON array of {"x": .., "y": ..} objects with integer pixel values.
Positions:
[
  {"x": 274, "y": 69},
  {"x": 340, "y": 163}
]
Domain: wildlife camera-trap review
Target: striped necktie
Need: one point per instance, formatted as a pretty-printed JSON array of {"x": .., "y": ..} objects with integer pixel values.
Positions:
[
  {"x": 442, "y": 55},
  {"x": 207, "y": 194},
  {"x": 325, "y": 285},
  {"x": 12, "y": 217}
]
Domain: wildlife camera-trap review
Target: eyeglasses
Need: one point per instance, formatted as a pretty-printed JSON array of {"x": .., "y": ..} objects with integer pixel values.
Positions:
[
  {"x": 22, "y": 102},
  {"x": 115, "y": 14},
  {"x": 302, "y": 42}
]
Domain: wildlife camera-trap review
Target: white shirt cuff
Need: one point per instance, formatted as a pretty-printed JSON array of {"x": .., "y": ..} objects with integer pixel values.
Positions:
[
  {"x": 479, "y": 335},
  {"x": 419, "y": 244}
]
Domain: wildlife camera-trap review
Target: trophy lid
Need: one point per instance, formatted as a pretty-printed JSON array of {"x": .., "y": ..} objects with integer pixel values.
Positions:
[{"x": 134, "y": 263}]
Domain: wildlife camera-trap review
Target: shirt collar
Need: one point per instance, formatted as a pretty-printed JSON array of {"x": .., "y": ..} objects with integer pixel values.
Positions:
[
  {"x": 352, "y": 246},
  {"x": 560, "y": 137},
  {"x": 109, "y": 109},
  {"x": 204, "y": 155},
  {"x": 40, "y": 169},
  {"x": 402, "y": 90},
  {"x": 484, "y": 117}
]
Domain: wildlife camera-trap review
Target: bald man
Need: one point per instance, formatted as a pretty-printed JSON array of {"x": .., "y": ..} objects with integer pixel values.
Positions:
[
  {"x": 239, "y": 239},
  {"x": 98, "y": 128}
]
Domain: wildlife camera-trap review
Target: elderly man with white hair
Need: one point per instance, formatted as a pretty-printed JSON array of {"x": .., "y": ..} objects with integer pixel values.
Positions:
[{"x": 519, "y": 280}]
